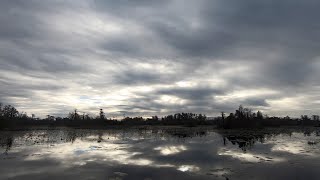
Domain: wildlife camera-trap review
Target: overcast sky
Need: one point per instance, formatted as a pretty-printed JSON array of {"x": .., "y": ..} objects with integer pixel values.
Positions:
[{"x": 157, "y": 57}]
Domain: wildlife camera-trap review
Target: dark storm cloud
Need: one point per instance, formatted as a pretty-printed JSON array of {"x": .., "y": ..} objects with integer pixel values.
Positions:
[
  {"x": 131, "y": 78},
  {"x": 193, "y": 94},
  {"x": 94, "y": 47},
  {"x": 286, "y": 28},
  {"x": 22, "y": 20},
  {"x": 53, "y": 64},
  {"x": 143, "y": 77},
  {"x": 122, "y": 46},
  {"x": 199, "y": 99},
  {"x": 255, "y": 102}
]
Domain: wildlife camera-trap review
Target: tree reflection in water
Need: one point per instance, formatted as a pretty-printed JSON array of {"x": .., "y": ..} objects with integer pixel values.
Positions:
[{"x": 195, "y": 152}]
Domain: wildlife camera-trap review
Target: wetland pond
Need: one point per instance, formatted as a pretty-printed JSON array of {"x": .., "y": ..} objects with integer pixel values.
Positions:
[{"x": 160, "y": 153}]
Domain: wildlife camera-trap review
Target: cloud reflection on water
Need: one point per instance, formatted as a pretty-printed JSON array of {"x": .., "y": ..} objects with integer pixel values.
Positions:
[
  {"x": 249, "y": 157},
  {"x": 168, "y": 150},
  {"x": 214, "y": 154}
]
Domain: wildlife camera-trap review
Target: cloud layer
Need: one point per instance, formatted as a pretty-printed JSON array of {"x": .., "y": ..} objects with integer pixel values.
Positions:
[{"x": 159, "y": 57}]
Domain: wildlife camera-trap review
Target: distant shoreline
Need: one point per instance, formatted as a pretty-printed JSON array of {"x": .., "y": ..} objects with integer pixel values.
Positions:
[{"x": 151, "y": 127}]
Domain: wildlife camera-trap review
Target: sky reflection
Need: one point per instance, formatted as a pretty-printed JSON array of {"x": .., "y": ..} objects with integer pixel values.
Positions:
[
  {"x": 168, "y": 150},
  {"x": 188, "y": 153},
  {"x": 249, "y": 157}
]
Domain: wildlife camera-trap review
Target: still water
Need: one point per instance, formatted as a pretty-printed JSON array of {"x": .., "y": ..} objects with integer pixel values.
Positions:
[{"x": 160, "y": 153}]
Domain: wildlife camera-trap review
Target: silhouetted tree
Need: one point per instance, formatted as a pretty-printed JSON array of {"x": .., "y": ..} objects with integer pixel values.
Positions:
[
  {"x": 102, "y": 115},
  {"x": 1, "y": 111},
  {"x": 259, "y": 115},
  {"x": 305, "y": 117},
  {"x": 222, "y": 115},
  {"x": 10, "y": 111},
  {"x": 74, "y": 115},
  {"x": 315, "y": 117},
  {"x": 239, "y": 113}
]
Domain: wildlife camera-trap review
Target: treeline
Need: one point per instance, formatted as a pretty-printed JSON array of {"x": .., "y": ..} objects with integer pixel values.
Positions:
[
  {"x": 246, "y": 118},
  {"x": 186, "y": 119},
  {"x": 10, "y": 117}
]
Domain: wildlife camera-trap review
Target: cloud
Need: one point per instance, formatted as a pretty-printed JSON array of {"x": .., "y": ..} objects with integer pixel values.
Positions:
[{"x": 156, "y": 57}]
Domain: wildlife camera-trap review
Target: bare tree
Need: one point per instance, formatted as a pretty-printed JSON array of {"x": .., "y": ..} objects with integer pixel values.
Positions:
[{"x": 102, "y": 115}]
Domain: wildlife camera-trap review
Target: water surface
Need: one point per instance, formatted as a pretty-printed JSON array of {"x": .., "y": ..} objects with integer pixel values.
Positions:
[{"x": 160, "y": 153}]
